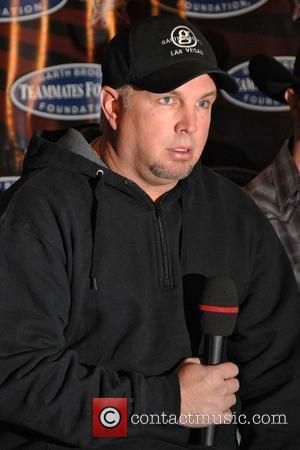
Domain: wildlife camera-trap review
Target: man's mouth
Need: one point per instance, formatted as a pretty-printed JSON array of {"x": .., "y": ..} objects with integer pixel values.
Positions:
[
  {"x": 181, "y": 149},
  {"x": 181, "y": 153}
]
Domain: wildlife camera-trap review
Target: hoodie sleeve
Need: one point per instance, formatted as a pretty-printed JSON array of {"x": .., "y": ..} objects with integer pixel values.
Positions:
[
  {"x": 44, "y": 390},
  {"x": 266, "y": 348}
]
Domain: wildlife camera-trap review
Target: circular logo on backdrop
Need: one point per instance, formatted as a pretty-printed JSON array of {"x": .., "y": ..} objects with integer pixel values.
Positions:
[
  {"x": 27, "y": 9},
  {"x": 213, "y": 9},
  {"x": 249, "y": 96},
  {"x": 63, "y": 92},
  {"x": 182, "y": 36}
]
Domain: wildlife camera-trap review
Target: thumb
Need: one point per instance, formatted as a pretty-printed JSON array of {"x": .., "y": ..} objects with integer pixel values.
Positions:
[{"x": 190, "y": 361}]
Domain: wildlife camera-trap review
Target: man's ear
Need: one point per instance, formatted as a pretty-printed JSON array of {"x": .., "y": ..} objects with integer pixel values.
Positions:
[
  {"x": 290, "y": 97},
  {"x": 292, "y": 100},
  {"x": 110, "y": 104}
]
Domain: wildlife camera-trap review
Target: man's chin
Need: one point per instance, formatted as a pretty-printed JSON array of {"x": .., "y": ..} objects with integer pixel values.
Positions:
[{"x": 170, "y": 174}]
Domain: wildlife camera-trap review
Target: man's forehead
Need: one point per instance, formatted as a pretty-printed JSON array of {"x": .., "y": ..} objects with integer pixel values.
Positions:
[{"x": 203, "y": 84}]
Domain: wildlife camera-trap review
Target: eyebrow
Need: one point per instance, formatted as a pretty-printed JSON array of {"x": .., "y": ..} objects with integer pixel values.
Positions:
[{"x": 214, "y": 93}]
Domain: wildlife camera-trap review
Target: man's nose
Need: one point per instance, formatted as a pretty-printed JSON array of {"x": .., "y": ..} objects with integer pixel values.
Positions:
[{"x": 187, "y": 121}]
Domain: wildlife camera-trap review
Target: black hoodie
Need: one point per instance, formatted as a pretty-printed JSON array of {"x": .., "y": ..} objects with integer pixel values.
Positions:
[{"x": 99, "y": 295}]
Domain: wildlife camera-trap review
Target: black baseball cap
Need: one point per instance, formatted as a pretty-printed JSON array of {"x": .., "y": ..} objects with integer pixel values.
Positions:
[
  {"x": 272, "y": 78},
  {"x": 159, "y": 54}
]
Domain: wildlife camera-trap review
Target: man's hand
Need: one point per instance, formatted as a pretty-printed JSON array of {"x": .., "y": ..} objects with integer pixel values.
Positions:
[{"x": 207, "y": 392}]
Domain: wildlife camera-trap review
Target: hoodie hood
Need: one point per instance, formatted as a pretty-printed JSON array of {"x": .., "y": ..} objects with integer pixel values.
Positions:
[
  {"x": 70, "y": 151},
  {"x": 63, "y": 149}
]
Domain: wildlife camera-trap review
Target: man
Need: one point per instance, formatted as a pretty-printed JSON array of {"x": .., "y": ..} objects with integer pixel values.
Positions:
[
  {"x": 276, "y": 189},
  {"x": 104, "y": 255}
]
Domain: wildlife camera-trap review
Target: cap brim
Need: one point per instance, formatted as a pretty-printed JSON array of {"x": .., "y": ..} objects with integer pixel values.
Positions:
[
  {"x": 271, "y": 77},
  {"x": 173, "y": 76}
]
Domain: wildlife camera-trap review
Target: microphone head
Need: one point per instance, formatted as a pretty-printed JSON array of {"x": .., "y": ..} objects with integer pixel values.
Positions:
[{"x": 219, "y": 306}]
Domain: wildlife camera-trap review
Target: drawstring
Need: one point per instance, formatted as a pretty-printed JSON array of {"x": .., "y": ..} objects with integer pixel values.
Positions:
[{"x": 96, "y": 234}]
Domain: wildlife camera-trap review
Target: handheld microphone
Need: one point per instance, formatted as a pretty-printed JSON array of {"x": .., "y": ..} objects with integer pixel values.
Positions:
[{"x": 219, "y": 307}]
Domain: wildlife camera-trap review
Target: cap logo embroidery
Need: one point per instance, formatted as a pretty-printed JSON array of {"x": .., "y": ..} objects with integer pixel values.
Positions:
[{"x": 183, "y": 36}]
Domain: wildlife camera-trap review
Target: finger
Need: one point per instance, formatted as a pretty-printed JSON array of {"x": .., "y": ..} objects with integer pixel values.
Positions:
[
  {"x": 227, "y": 416},
  {"x": 232, "y": 385},
  {"x": 229, "y": 401},
  {"x": 228, "y": 370},
  {"x": 191, "y": 361}
]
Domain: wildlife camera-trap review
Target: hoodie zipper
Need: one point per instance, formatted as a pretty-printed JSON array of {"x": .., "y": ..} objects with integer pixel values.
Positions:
[
  {"x": 165, "y": 269},
  {"x": 163, "y": 246}
]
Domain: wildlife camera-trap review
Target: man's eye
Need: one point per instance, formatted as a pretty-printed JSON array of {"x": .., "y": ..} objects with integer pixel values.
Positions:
[
  {"x": 166, "y": 100},
  {"x": 204, "y": 104}
]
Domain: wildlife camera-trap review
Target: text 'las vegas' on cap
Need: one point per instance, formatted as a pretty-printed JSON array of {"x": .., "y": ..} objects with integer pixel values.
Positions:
[{"x": 159, "y": 54}]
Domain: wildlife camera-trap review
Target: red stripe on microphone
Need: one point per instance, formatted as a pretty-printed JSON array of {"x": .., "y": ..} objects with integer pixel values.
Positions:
[{"x": 219, "y": 309}]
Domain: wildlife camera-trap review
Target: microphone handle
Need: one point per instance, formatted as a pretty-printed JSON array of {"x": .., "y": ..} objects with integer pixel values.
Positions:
[
  {"x": 213, "y": 353},
  {"x": 213, "y": 349}
]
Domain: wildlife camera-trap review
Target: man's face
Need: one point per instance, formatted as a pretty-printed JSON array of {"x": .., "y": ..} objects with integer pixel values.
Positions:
[
  {"x": 293, "y": 101},
  {"x": 160, "y": 137}
]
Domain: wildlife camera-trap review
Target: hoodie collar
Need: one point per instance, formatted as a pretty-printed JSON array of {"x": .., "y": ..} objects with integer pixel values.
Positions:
[{"x": 76, "y": 143}]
